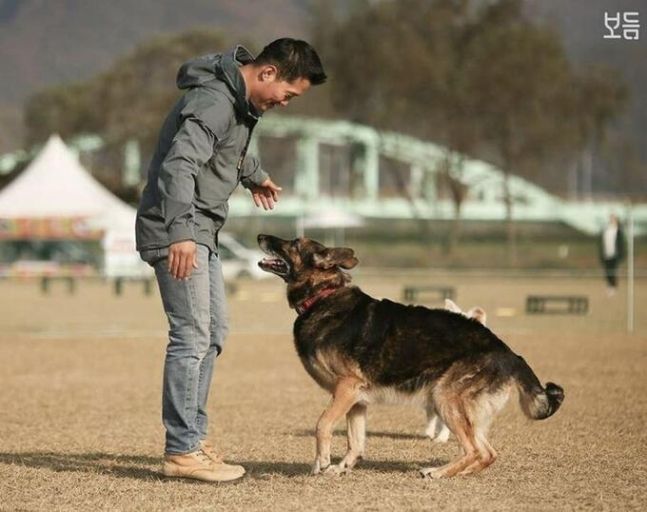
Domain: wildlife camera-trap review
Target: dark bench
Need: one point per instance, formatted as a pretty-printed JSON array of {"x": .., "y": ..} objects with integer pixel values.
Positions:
[
  {"x": 148, "y": 284},
  {"x": 46, "y": 282},
  {"x": 120, "y": 281},
  {"x": 557, "y": 304},
  {"x": 415, "y": 293}
]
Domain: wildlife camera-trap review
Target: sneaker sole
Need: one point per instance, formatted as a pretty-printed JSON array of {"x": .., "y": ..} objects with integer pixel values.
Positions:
[{"x": 193, "y": 479}]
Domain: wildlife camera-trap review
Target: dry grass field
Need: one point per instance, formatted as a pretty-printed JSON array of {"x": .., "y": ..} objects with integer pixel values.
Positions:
[{"x": 80, "y": 408}]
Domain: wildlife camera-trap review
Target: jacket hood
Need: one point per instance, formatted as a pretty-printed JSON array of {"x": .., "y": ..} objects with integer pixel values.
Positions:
[{"x": 203, "y": 71}]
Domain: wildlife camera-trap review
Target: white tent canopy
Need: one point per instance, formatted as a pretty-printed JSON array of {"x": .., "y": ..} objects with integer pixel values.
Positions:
[{"x": 56, "y": 186}]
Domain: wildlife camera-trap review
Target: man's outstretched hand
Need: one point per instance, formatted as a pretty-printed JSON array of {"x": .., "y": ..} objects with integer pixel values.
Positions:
[
  {"x": 266, "y": 194},
  {"x": 182, "y": 259}
]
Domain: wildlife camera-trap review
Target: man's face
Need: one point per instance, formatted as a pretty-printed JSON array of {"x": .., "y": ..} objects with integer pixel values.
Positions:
[{"x": 271, "y": 91}]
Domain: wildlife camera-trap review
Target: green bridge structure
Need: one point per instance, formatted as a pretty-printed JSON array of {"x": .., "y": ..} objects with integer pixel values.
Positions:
[
  {"x": 367, "y": 192},
  {"x": 344, "y": 167}
]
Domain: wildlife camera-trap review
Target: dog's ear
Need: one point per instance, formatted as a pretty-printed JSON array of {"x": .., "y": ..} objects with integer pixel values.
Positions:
[
  {"x": 478, "y": 314},
  {"x": 450, "y": 305},
  {"x": 335, "y": 257}
]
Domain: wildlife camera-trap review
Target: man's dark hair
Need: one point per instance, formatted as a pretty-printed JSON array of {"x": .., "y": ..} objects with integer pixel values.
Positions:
[{"x": 293, "y": 59}]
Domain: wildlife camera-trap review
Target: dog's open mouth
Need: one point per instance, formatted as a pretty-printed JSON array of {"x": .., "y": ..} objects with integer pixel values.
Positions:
[{"x": 275, "y": 265}]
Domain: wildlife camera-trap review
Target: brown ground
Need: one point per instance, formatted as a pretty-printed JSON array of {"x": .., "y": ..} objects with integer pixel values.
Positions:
[{"x": 80, "y": 408}]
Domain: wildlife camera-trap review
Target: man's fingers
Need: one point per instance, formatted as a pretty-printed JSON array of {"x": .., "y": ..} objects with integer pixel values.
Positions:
[
  {"x": 256, "y": 198},
  {"x": 268, "y": 203},
  {"x": 187, "y": 268},
  {"x": 266, "y": 195},
  {"x": 172, "y": 264},
  {"x": 182, "y": 258},
  {"x": 269, "y": 194},
  {"x": 270, "y": 184}
]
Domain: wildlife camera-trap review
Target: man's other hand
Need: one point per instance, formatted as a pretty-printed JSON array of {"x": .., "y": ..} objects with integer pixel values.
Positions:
[
  {"x": 182, "y": 259},
  {"x": 266, "y": 194}
]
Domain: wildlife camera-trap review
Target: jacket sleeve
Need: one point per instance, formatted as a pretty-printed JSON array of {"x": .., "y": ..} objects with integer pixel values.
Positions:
[
  {"x": 252, "y": 173},
  {"x": 191, "y": 148}
]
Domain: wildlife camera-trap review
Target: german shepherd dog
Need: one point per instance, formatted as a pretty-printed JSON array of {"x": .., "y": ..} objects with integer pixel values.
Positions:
[{"x": 364, "y": 350}]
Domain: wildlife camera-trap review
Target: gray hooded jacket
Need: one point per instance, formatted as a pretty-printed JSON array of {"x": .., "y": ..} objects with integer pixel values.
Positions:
[{"x": 200, "y": 156}]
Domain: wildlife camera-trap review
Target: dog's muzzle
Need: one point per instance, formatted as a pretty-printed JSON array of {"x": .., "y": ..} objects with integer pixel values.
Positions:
[{"x": 275, "y": 265}]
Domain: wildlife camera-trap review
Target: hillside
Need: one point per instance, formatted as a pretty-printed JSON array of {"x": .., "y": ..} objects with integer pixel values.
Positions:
[
  {"x": 51, "y": 42},
  {"x": 45, "y": 42}
]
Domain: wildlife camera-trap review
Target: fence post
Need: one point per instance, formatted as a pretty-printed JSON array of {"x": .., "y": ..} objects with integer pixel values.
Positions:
[
  {"x": 630, "y": 270},
  {"x": 119, "y": 284}
]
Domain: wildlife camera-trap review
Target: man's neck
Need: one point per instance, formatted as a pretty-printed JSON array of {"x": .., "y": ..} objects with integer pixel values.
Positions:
[{"x": 248, "y": 73}]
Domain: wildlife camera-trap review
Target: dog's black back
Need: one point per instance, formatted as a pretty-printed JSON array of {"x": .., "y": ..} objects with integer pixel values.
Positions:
[{"x": 394, "y": 344}]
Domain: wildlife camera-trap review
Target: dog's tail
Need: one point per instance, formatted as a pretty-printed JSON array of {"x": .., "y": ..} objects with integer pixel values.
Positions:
[{"x": 536, "y": 401}]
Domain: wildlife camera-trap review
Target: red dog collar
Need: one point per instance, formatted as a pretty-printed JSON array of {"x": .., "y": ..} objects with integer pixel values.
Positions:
[{"x": 311, "y": 301}]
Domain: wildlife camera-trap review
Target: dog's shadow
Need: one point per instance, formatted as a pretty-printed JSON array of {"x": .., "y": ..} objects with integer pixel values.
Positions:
[
  {"x": 390, "y": 435},
  {"x": 384, "y": 465},
  {"x": 139, "y": 467}
]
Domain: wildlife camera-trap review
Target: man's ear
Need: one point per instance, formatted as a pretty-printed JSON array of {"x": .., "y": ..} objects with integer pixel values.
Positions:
[
  {"x": 335, "y": 257},
  {"x": 267, "y": 73}
]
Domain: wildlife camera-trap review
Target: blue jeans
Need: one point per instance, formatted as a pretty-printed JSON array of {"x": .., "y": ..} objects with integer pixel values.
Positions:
[{"x": 197, "y": 314}]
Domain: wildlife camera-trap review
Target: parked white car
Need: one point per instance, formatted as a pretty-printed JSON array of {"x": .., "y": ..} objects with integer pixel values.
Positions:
[{"x": 237, "y": 260}]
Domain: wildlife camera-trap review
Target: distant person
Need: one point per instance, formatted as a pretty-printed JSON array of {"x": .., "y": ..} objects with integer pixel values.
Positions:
[
  {"x": 199, "y": 160},
  {"x": 612, "y": 252}
]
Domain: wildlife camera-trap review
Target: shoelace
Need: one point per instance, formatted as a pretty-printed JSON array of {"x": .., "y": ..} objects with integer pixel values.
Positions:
[
  {"x": 203, "y": 457},
  {"x": 211, "y": 452}
]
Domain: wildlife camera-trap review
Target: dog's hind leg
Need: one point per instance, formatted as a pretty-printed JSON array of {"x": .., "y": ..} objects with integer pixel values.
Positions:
[
  {"x": 436, "y": 429},
  {"x": 456, "y": 416},
  {"x": 487, "y": 456},
  {"x": 356, "y": 425},
  {"x": 345, "y": 396},
  {"x": 485, "y": 409}
]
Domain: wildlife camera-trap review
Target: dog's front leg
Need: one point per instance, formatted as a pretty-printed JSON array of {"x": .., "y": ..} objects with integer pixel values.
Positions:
[{"x": 345, "y": 396}]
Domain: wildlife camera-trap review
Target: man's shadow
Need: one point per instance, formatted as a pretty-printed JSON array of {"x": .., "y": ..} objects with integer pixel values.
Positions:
[
  {"x": 139, "y": 467},
  {"x": 120, "y": 466}
]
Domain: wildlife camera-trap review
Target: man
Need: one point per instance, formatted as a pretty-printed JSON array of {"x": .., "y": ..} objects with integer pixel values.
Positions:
[
  {"x": 612, "y": 251},
  {"x": 199, "y": 160}
]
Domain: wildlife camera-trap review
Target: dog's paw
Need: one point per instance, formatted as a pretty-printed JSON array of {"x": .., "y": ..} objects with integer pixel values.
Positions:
[
  {"x": 318, "y": 467},
  {"x": 433, "y": 473},
  {"x": 442, "y": 436},
  {"x": 337, "y": 469},
  {"x": 437, "y": 431}
]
